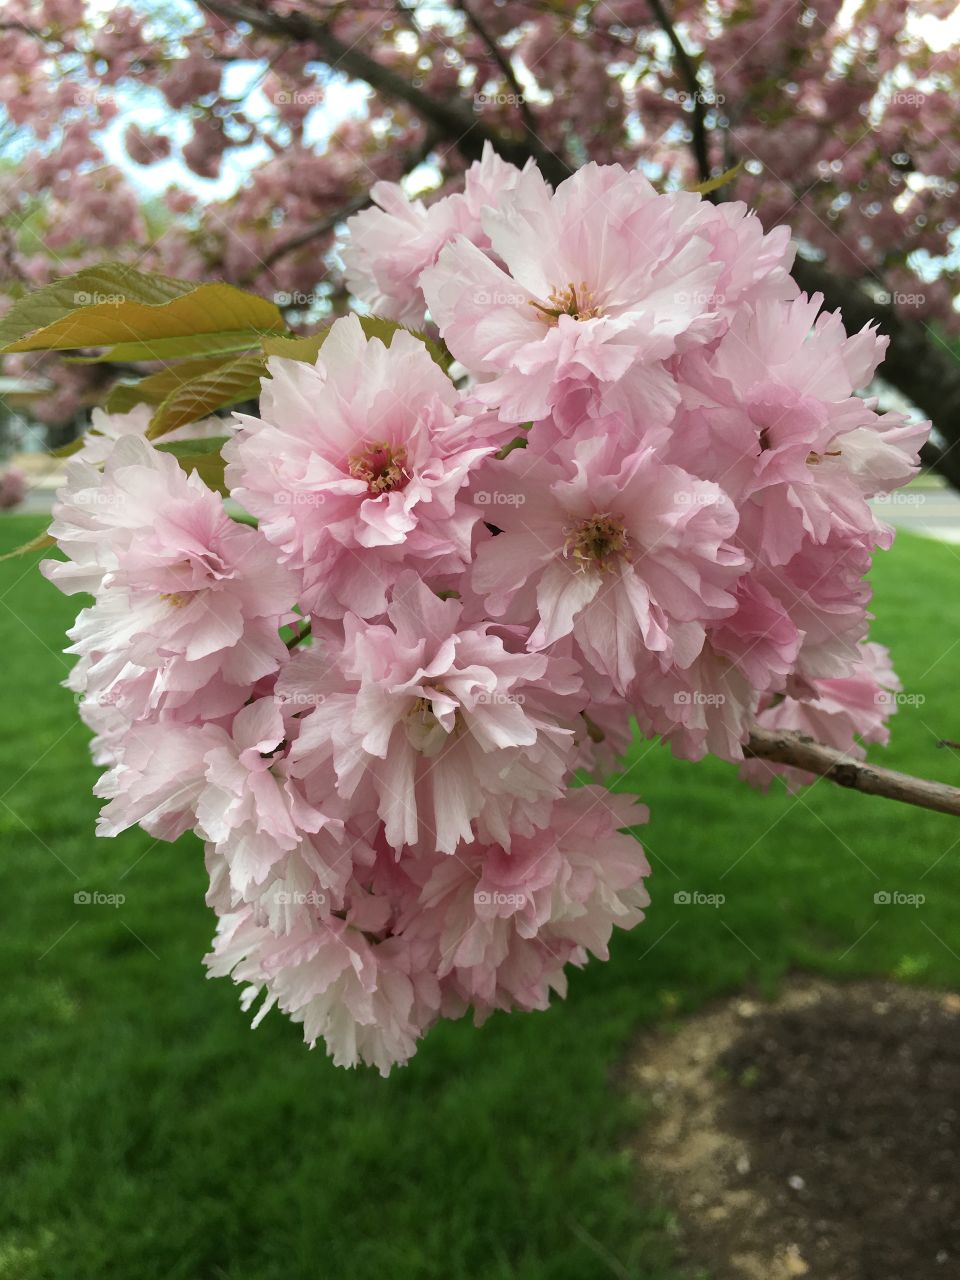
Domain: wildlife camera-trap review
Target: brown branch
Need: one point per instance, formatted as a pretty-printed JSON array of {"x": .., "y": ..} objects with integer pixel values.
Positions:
[
  {"x": 505, "y": 65},
  {"x": 361, "y": 201},
  {"x": 452, "y": 119},
  {"x": 690, "y": 78},
  {"x": 319, "y": 229},
  {"x": 801, "y": 752}
]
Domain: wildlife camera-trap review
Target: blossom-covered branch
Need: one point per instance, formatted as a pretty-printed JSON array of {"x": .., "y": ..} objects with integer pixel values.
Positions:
[{"x": 641, "y": 493}]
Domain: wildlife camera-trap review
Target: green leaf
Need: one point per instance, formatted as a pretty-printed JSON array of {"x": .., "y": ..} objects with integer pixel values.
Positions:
[
  {"x": 201, "y": 344},
  {"x": 306, "y": 348},
  {"x": 116, "y": 305},
  {"x": 192, "y": 448},
  {"x": 42, "y": 308},
  {"x": 721, "y": 180},
  {"x": 209, "y": 467},
  {"x": 155, "y": 388},
  {"x": 377, "y": 327},
  {"x": 227, "y": 384},
  {"x": 39, "y": 543},
  {"x": 201, "y": 456}
]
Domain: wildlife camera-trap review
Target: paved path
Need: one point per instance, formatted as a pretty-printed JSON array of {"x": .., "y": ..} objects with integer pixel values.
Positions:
[{"x": 933, "y": 512}]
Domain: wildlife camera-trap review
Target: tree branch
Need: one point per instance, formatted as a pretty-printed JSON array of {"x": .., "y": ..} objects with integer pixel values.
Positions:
[
  {"x": 801, "y": 752},
  {"x": 451, "y": 119},
  {"x": 505, "y": 65},
  {"x": 690, "y": 78},
  {"x": 315, "y": 232}
]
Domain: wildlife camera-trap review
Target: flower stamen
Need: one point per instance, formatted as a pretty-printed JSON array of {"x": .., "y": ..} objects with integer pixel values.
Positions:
[
  {"x": 381, "y": 465},
  {"x": 597, "y": 541},
  {"x": 567, "y": 302}
]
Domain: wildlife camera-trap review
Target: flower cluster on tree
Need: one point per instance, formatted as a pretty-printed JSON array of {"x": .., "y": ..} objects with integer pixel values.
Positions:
[{"x": 639, "y": 490}]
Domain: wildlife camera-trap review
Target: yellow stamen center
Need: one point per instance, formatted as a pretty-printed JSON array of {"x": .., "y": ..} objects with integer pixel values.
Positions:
[
  {"x": 575, "y": 300},
  {"x": 381, "y": 465},
  {"x": 597, "y": 541}
]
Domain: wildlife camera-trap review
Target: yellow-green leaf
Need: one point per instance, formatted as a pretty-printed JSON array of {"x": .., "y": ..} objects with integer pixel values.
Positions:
[
  {"x": 196, "y": 346},
  {"x": 721, "y": 180},
  {"x": 39, "y": 543},
  {"x": 193, "y": 448},
  {"x": 41, "y": 308},
  {"x": 155, "y": 387},
  {"x": 228, "y": 384},
  {"x": 306, "y": 348},
  {"x": 112, "y": 305}
]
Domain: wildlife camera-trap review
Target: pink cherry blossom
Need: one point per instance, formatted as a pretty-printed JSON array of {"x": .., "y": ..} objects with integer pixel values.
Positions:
[
  {"x": 187, "y": 601},
  {"x": 435, "y": 727},
  {"x": 602, "y": 281},
  {"x": 390, "y": 246},
  {"x": 355, "y": 468},
  {"x": 628, "y": 554},
  {"x": 643, "y": 492},
  {"x": 842, "y": 713}
]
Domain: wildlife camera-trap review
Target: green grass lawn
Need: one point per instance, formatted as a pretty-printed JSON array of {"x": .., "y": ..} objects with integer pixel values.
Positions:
[{"x": 148, "y": 1133}]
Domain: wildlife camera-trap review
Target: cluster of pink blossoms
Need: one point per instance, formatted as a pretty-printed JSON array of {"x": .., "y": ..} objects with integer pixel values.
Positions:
[{"x": 640, "y": 491}]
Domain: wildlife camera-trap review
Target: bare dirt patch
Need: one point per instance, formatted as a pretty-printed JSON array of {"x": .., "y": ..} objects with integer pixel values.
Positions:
[{"x": 816, "y": 1136}]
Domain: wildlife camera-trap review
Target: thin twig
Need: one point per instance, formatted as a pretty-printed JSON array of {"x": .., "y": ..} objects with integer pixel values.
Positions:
[
  {"x": 784, "y": 746},
  {"x": 692, "y": 81},
  {"x": 505, "y": 65}
]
